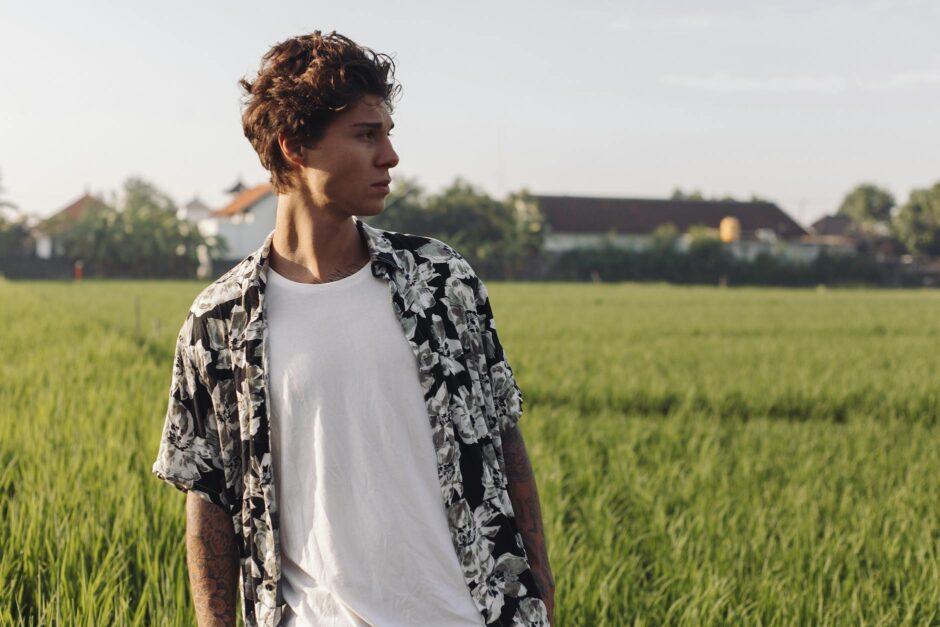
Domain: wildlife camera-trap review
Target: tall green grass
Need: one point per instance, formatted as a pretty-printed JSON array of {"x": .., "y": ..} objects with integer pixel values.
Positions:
[{"x": 704, "y": 456}]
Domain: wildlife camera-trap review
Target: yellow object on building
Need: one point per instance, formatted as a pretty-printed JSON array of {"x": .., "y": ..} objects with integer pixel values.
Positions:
[{"x": 730, "y": 229}]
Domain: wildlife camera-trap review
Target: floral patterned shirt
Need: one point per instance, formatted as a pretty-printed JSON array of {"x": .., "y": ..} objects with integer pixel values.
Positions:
[{"x": 216, "y": 436}]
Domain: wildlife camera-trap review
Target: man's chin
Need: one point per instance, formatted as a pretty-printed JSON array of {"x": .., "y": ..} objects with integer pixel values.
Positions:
[{"x": 371, "y": 208}]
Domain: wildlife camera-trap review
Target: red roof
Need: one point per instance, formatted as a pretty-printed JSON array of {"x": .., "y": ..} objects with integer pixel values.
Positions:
[
  {"x": 72, "y": 212},
  {"x": 244, "y": 200},
  {"x": 838, "y": 224},
  {"x": 575, "y": 214}
]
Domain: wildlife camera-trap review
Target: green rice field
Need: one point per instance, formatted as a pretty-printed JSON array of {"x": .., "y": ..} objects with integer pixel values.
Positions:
[{"x": 704, "y": 456}]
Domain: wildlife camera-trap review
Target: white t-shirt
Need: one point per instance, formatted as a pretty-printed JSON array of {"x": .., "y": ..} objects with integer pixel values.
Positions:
[{"x": 363, "y": 531}]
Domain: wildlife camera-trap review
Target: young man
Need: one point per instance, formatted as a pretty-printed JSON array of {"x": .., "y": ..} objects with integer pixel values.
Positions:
[{"x": 341, "y": 413}]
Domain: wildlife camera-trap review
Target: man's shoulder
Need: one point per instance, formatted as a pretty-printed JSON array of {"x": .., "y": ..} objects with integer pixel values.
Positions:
[
  {"x": 429, "y": 249},
  {"x": 206, "y": 319},
  {"x": 225, "y": 290},
  {"x": 413, "y": 243}
]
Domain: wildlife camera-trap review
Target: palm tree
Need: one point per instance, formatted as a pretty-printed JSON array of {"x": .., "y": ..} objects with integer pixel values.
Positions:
[
  {"x": 15, "y": 235},
  {"x": 6, "y": 204}
]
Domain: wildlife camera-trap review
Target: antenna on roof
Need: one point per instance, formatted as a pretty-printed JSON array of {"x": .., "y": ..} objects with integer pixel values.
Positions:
[{"x": 237, "y": 188}]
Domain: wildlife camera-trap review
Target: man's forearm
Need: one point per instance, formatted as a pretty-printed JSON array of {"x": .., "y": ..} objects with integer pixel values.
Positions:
[
  {"x": 525, "y": 504},
  {"x": 212, "y": 558}
]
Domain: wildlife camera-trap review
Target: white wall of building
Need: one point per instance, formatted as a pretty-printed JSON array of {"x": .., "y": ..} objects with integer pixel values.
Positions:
[
  {"x": 798, "y": 252},
  {"x": 43, "y": 246},
  {"x": 243, "y": 232},
  {"x": 195, "y": 212},
  {"x": 561, "y": 242}
]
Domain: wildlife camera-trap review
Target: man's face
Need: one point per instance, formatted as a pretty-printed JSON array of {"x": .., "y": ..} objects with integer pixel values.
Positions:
[{"x": 343, "y": 173}]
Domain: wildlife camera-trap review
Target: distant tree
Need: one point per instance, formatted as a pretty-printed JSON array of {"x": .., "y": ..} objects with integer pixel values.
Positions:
[
  {"x": 917, "y": 224},
  {"x": 463, "y": 210},
  {"x": 470, "y": 220},
  {"x": 867, "y": 205},
  {"x": 15, "y": 235},
  {"x": 678, "y": 194},
  {"x": 404, "y": 210},
  {"x": 141, "y": 238},
  {"x": 707, "y": 255},
  {"x": 459, "y": 212},
  {"x": 664, "y": 238},
  {"x": 142, "y": 196},
  {"x": 527, "y": 237},
  {"x": 700, "y": 233},
  {"x": 528, "y": 220},
  {"x": 496, "y": 236},
  {"x": 5, "y": 204}
]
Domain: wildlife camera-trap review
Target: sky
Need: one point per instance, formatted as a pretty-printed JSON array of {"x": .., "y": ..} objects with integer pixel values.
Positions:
[{"x": 795, "y": 101}]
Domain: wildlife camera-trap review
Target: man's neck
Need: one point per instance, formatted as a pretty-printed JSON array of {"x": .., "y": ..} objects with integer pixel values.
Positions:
[{"x": 312, "y": 244}]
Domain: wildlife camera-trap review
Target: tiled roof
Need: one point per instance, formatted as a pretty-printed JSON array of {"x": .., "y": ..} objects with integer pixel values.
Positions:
[
  {"x": 575, "y": 214},
  {"x": 833, "y": 225},
  {"x": 72, "y": 212},
  {"x": 244, "y": 200}
]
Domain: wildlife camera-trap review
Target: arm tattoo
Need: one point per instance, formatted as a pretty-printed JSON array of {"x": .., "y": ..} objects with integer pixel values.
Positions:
[
  {"x": 525, "y": 504},
  {"x": 212, "y": 556}
]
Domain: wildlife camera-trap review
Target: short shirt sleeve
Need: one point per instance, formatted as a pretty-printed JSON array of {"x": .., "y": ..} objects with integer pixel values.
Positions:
[
  {"x": 190, "y": 455},
  {"x": 507, "y": 397}
]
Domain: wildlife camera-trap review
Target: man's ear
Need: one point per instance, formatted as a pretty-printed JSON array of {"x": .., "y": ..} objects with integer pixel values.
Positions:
[{"x": 291, "y": 149}]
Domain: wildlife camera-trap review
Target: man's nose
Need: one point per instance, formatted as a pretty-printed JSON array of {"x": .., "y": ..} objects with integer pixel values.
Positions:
[{"x": 389, "y": 158}]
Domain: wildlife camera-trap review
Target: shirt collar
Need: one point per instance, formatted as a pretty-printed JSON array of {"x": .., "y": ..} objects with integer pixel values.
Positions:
[{"x": 382, "y": 255}]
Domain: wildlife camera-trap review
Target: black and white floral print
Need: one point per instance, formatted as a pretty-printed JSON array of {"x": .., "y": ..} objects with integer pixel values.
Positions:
[{"x": 216, "y": 436}]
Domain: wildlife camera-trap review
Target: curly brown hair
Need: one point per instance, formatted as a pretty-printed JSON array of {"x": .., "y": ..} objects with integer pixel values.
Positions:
[{"x": 303, "y": 83}]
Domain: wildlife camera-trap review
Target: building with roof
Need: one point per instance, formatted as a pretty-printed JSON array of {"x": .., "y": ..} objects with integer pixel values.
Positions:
[
  {"x": 48, "y": 232},
  {"x": 245, "y": 221},
  {"x": 838, "y": 225},
  {"x": 579, "y": 222},
  {"x": 839, "y": 230},
  {"x": 194, "y": 211},
  {"x": 582, "y": 222}
]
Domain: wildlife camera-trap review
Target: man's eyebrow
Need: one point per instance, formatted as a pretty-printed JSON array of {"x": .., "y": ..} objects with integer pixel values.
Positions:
[{"x": 375, "y": 125}]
